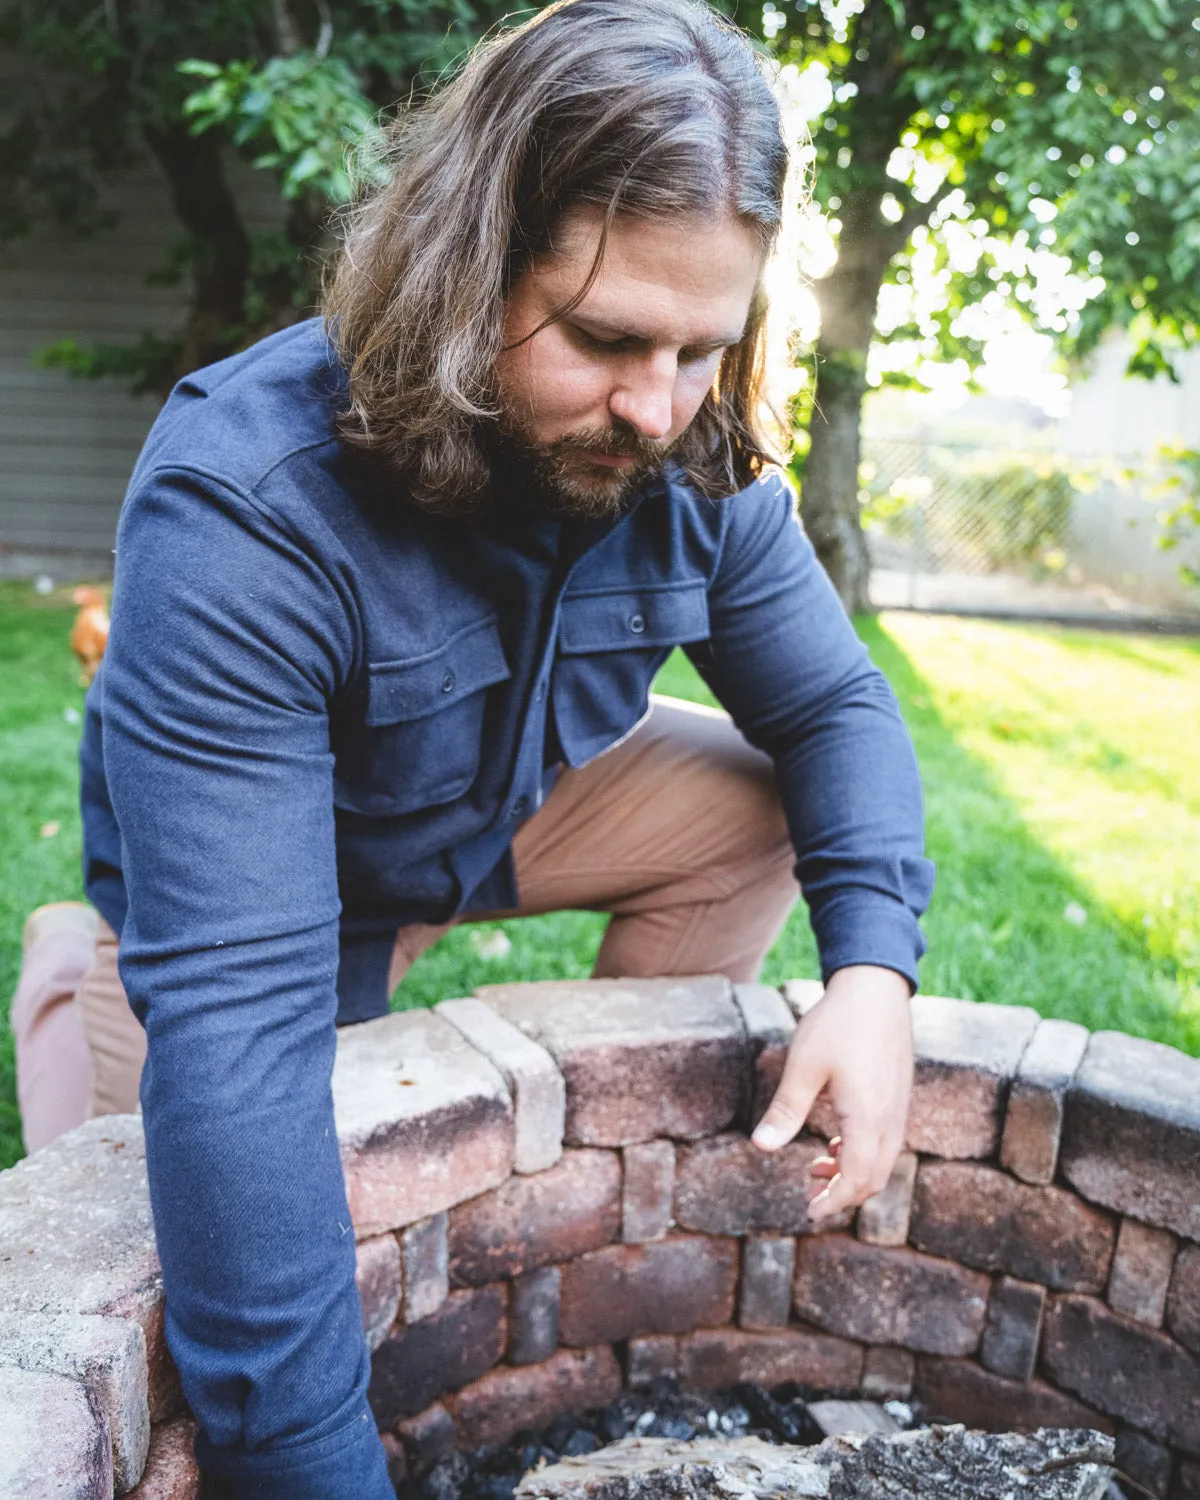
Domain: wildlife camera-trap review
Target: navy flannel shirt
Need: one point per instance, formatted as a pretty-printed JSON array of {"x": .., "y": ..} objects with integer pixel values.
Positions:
[{"x": 322, "y": 715}]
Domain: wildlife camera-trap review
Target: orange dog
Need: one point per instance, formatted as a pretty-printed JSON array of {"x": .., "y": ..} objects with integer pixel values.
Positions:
[{"x": 89, "y": 634}]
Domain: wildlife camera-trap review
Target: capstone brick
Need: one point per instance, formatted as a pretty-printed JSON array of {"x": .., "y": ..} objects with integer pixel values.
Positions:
[
  {"x": 641, "y": 1057},
  {"x": 80, "y": 1464},
  {"x": 533, "y": 1325},
  {"x": 424, "y": 1251},
  {"x": 1014, "y": 1325},
  {"x": 726, "y": 1185},
  {"x": 1183, "y": 1299},
  {"x": 1131, "y": 1371},
  {"x": 666, "y": 1286},
  {"x": 1034, "y": 1118},
  {"x": 715, "y": 1357},
  {"x": 377, "y": 1276},
  {"x": 1141, "y": 1272},
  {"x": 958, "y": 1390},
  {"x": 421, "y": 1361},
  {"x": 537, "y": 1088},
  {"x": 765, "y": 1296},
  {"x": 1146, "y": 1462},
  {"x": 883, "y": 1219},
  {"x": 532, "y": 1221},
  {"x": 985, "y": 1218},
  {"x": 171, "y": 1471},
  {"x": 770, "y": 1026},
  {"x": 967, "y": 1053},
  {"x": 649, "y": 1191},
  {"x": 888, "y": 1373},
  {"x": 424, "y": 1120},
  {"x": 427, "y": 1437},
  {"x": 508, "y": 1400},
  {"x": 801, "y": 995},
  {"x": 889, "y": 1296},
  {"x": 1131, "y": 1137},
  {"x": 649, "y": 1359}
]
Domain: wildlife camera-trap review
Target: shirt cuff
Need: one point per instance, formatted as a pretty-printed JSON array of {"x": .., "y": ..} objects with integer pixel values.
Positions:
[
  {"x": 866, "y": 927},
  {"x": 349, "y": 1464}
]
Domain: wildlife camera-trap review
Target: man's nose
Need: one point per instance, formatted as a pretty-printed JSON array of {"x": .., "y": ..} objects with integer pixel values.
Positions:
[{"x": 644, "y": 395}]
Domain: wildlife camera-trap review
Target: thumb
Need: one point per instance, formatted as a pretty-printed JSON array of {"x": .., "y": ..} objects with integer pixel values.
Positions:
[{"x": 788, "y": 1110}]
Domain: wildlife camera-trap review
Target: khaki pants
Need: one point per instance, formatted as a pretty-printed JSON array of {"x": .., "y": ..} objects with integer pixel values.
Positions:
[{"x": 677, "y": 833}]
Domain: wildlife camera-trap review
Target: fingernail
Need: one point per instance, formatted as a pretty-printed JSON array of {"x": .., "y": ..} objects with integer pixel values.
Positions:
[{"x": 768, "y": 1137}]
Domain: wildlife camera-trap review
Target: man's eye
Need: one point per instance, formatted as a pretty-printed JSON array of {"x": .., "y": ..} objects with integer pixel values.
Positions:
[
  {"x": 590, "y": 341},
  {"x": 699, "y": 356}
]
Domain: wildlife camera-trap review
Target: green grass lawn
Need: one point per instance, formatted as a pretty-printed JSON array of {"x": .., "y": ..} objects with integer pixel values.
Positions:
[{"x": 1062, "y": 775}]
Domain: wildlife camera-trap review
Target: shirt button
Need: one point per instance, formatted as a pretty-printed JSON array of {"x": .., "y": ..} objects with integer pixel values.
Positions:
[
  {"x": 448, "y": 682},
  {"x": 637, "y": 623},
  {"x": 520, "y": 807}
]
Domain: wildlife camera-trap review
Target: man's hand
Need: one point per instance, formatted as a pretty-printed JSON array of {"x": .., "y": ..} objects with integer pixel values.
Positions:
[{"x": 856, "y": 1046}]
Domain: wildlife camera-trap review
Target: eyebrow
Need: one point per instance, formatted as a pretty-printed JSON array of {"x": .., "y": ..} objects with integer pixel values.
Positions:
[{"x": 598, "y": 325}]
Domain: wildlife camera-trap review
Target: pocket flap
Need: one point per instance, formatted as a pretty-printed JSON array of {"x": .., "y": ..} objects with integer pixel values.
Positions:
[
  {"x": 468, "y": 662},
  {"x": 651, "y": 615}
]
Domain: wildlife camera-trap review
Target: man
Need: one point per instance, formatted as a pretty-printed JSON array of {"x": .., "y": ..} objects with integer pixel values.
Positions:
[{"x": 388, "y": 605}]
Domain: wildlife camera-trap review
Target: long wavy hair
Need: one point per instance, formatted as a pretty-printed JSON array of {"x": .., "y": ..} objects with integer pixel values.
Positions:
[{"x": 637, "y": 108}]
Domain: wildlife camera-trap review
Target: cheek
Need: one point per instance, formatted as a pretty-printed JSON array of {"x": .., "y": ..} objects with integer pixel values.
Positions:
[
  {"x": 550, "y": 385},
  {"x": 691, "y": 387}
]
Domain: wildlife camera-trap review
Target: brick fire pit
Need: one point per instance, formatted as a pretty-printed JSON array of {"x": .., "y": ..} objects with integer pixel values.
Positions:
[{"x": 555, "y": 1197}]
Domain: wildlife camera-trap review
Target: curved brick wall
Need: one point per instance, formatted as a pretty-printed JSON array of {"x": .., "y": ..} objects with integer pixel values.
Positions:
[{"x": 554, "y": 1196}]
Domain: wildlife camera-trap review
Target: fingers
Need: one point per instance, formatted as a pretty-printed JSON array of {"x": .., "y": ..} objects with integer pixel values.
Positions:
[
  {"x": 863, "y": 1165},
  {"x": 794, "y": 1098}
]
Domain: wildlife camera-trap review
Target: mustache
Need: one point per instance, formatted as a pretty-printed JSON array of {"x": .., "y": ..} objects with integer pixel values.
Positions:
[{"x": 612, "y": 443}]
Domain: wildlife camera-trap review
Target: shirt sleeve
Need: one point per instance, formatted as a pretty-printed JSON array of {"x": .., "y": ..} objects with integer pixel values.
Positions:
[
  {"x": 227, "y": 642},
  {"x": 787, "y": 664}
]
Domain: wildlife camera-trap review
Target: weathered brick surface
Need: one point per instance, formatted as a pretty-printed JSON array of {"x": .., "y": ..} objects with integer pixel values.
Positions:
[
  {"x": 507, "y": 1400},
  {"x": 641, "y": 1057},
  {"x": 1141, "y": 1272},
  {"x": 667, "y": 1286},
  {"x": 33, "y": 1405},
  {"x": 424, "y": 1251},
  {"x": 532, "y": 1221},
  {"x": 420, "y": 1362},
  {"x": 649, "y": 1191},
  {"x": 649, "y": 1359},
  {"x": 958, "y": 1390},
  {"x": 171, "y": 1471},
  {"x": 1183, "y": 1300},
  {"x": 424, "y": 1120},
  {"x": 1131, "y": 1371},
  {"x": 1014, "y": 1325},
  {"x": 427, "y": 1437},
  {"x": 966, "y": 1055},
  {"x": 537, "y": 1088},
  {"x": 378, "y": 1277},
  {"x": 770, "y": 1026},
  {"x": 985, "y": 1218},
  {"x": 765, "y": 1295},
  {"x": 888, "y": 1374},
  {"x": 108, "y": 1355},
  {"x": 889, "y": 1296},
  {"x": 1131, "y": 1137},
  {"x": 883, "y": 1219},
  {"x": 533, "y": 1324},
  {"x": 1034, "y": 1118},
  {"x": 715, "y": 1357},
  {"x": 1144, "y": 1460},
  {"x": 801, "y": 995},
  {"x": 725, "y": 1185}
]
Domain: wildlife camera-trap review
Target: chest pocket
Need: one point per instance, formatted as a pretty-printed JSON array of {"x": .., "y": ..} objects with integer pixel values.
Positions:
[
  {"x": 610, "y": 645},
  {"x": 416, "y": 740}
]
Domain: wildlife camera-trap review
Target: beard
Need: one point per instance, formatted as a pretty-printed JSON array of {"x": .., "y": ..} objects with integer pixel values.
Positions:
[{"x": 559, "y": 481}]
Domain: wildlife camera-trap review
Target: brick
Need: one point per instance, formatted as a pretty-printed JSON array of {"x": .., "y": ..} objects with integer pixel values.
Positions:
[
  {"x": 424, "y": 1120},
  {"x": 649, "y": 1359},
  {"x": 1187, "y": 1485},
  {"x": 770, "y": 1026},
  {"x": 377, "y": 1276},
  {"x": 1145, "y": 1461},
  {"x": 171, "y": 1471},
  {"x": 510, "y": 1400},
  {"x": 532, "y": 1221},
  {"x": 649, "y": 1191},
  {"x": 667, "y": 1286},
  {"x": 987, "y": 1219},
  {"x": 1131, "y": 1137},
  {"x": 889, "y": 1296},
  {"x": 1126, "y": 1369},
  {"x": 888, "y": 1373},
  {"x": 727, "y": 1186},
  {"x": 801, "y": 995},
  {"x": 35, "y": 1404},
  {"x": 1034, "y": 1118},
  {"x": 1014, "y": 1325},
  {"x": 424, "y": 1251},
  {"x": 641, "y": 1057},
  {"x": 712, "y": 1358},
  {"x": 422, "y": 1361},
  {"x": 1183, "y": 1299},
  {"x": 967, "y": 1054},
  {"x": 957, "y": 1390},
  {"x": 1141, "y": 1272},
  {"x": 427, "y": 1437},
  {"x": 538, "y": 1092},
  {"x": 108, "y": 1355},
  {"x": 765, "y": 1296},
  {"x": 533, "y": 1325},
  {"x": 883, "y": 1218}
]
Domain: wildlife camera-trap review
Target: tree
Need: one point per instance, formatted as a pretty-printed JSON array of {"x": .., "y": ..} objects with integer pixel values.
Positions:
[{"x": 1017, "y": 123}]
